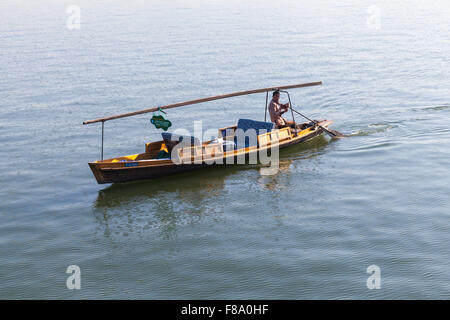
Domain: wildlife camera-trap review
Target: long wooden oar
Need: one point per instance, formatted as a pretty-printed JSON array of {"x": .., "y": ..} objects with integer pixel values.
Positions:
[
  {"x": 185, "y": 103},
  {"x": 332, "y": 133}
]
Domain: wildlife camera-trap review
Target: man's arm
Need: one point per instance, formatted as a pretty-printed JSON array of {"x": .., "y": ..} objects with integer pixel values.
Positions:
[{"x": 285, "y": 108}]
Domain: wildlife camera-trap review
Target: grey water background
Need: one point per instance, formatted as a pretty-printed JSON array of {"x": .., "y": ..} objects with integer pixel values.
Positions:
[{"x": 379, "y": 197}]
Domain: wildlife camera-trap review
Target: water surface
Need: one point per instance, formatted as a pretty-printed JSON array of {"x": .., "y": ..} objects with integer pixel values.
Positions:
[{"x": 379, "y": 197}]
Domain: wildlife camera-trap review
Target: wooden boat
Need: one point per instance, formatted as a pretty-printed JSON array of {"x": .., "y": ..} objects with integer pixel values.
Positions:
[{"x": 175, "y": 154}]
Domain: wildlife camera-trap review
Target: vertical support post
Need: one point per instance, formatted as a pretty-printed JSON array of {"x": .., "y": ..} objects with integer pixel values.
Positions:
[
  {"x": 290, "y": 105},
  {"x": 265, "y": 114},
  {"x": 103, "y": 134},
  {"x": 292, "y": 110}
]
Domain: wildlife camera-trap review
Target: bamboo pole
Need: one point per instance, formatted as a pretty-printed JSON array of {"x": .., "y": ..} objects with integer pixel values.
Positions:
[{"x": 185, "y": 103}]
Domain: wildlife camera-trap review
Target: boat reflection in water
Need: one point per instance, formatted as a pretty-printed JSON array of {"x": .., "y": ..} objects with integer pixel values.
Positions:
[
  {"x": 165, "y": 204},
  {"x": 161, "y": 204}
]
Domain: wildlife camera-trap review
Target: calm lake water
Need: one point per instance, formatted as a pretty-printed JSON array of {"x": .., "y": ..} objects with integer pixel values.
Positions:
[{"x": 379, "y": 197}]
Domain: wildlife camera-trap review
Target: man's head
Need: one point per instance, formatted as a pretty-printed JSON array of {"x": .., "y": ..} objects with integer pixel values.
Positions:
[{"x": 276, "y": 95}]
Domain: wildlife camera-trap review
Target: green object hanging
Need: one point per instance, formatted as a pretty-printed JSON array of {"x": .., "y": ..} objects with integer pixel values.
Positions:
[{"x": 159, "y": 122}]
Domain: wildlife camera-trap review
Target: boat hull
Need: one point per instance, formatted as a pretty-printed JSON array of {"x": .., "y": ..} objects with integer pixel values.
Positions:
[
  {"x": 140, "y": 173},
  {"x": 106, "y": 172}
]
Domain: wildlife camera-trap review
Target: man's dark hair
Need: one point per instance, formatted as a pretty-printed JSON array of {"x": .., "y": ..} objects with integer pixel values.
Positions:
[{"x": 275, "y": 92}]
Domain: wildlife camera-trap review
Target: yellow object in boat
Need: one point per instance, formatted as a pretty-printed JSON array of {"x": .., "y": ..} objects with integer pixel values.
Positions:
[
  {"x": 131, "y": 157},
  {"x": 164, "y": 148}
]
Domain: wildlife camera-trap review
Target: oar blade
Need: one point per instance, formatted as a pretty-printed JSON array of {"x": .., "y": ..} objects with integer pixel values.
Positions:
[{"x": 334, "y": 133}]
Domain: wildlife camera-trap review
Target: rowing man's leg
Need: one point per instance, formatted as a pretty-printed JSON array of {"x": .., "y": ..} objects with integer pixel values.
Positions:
[{"x": 293, "y": 125}]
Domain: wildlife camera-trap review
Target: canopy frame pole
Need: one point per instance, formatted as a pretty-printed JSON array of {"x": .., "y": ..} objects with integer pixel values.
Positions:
[
  {"x": 265, "y": 113},
  {"x": 103, "y": 135},
  {"x": 292, "y": 111}
]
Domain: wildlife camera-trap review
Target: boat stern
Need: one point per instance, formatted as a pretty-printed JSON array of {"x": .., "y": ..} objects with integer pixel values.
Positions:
[{"x": 95, "y": 168}]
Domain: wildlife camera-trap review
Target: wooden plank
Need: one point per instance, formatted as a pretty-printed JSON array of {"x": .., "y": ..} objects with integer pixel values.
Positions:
[
  {"x": 274, "y": 136},
  {"x": 284, "y": 134},
  {"x": 190, "y": 102},
  {"x": 264, "y": 139}
]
